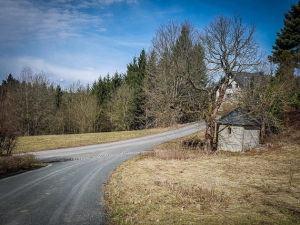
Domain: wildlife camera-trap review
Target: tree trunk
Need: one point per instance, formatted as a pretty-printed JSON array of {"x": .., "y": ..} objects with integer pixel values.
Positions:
[
  {"x": 209, "y": 136},
  {"x": 212, "y": 114},
  {"x": 210, "y": 127},
  {"x": 263, "y": 133}
]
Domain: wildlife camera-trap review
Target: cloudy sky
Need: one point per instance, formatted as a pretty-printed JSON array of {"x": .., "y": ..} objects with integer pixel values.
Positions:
[{"x": 71, "y": 40}]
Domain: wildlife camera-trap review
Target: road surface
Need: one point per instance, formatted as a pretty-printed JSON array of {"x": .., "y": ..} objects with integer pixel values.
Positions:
[{"x": 69, "y": 190}]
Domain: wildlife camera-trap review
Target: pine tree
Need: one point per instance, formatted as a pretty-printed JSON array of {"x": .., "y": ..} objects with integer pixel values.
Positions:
[
  {"x": 188, "y": 56},
  {"x": 10, "y": 81},
  {"x": 102, "y": 89},
  {"x": 105, "y": 89},
  {"x": 288, "y": 37},
  {"x": 58, "y": 96},
  {"x": 136, "y": 71},
  {"x": 286, "y": 54}
]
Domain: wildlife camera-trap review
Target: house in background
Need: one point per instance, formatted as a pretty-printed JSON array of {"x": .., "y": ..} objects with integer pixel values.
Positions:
[
  {"x": 237, "y": 132},
  {"x": 237, "y": 83}
]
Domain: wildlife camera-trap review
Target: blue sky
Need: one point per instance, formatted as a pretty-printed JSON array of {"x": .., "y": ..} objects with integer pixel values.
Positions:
[{"x": 71, "y": 40}]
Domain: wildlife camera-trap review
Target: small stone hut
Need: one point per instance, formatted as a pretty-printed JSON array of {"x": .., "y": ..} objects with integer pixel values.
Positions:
[{"x": 237, "y": 131}]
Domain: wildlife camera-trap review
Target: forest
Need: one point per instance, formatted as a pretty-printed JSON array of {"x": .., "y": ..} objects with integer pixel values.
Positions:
[{"x": 174, "y": 82}]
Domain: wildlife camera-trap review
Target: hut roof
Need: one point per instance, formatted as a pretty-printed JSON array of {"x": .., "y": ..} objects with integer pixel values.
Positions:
[{"x": 239, "y": 118}]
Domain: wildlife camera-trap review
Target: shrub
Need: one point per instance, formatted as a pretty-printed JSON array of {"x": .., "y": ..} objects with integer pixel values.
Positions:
[
  {"x": 7, "y": 143},
  {"x": 13, "y": 164}
]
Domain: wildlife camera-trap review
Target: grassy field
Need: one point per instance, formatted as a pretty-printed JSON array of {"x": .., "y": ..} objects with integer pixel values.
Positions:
[
  {"x": 48, "y": 142},
  {"x": 173, "y": 185}
]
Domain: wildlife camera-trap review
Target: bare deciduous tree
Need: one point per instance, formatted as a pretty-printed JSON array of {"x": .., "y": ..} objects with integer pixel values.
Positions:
[
  {"x": 230, "y": 46},
  {"x": 8, "y": 122},
  {"x": 34, "y": 102},
  {"x": 80, "y": 109},
  {"x": 120, "y": 107}
]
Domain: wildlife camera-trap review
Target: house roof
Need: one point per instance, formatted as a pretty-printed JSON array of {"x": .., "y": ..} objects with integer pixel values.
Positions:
[
  {"x": 245, "y": 78},
  {"x": 239, "y": 118}
]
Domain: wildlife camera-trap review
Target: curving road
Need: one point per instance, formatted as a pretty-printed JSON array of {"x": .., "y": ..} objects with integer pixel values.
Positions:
[{"x": 69, "y": 190}]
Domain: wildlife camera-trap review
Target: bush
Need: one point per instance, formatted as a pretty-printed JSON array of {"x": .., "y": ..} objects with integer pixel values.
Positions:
[
  {"x": 13, "y": 164},
  {"x": 7, "y": 143}
]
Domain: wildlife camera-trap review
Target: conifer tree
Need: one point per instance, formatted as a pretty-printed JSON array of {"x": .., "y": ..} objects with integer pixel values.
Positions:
[
  {"x": 286, "y": 54},
  {"x": 288, "y": 37},
  {"x": 286, "y": 49},
  {"x": 136, "y": 71},
  {"x": 105, "y": 88},
  {"x": 58, "y": 96},
  {"x": 10, "y": 82}
]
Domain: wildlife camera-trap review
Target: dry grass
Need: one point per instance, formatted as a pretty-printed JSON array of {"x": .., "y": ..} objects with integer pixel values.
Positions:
[
  {"x": 176, "y": 186},
  {"x": 48, "y": 142},
  {"x": 16, "y": 164}
]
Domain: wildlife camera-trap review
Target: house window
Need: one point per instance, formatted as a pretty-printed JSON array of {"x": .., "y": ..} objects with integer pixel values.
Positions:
[
  {"x": 236, "y": 86},
  {"x": 229, "y": 86},
  {"x": 229, "y": 130}
]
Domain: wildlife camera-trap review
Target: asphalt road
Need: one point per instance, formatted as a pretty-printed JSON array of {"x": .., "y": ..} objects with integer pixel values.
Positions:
[{"x": 69, "y": 190}]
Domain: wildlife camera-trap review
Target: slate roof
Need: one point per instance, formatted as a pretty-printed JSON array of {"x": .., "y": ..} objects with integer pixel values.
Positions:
[
  {"x": 245, "y": 78},
  {"x": 239, "y": 118}
]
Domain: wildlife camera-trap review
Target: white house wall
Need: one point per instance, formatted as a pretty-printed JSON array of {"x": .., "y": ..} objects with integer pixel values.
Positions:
[
  {"x": 251, "y": 138},
  {"x": 240, "y": 139},
  {"x": 231, "y": 94},
  {"x": 230, "y": 141}
]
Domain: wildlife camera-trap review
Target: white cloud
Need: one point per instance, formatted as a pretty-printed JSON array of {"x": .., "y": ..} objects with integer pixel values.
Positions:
[
  {"x": 57, "y": 73},
  {"x": 102, "y": 29},
  {"x": 102, "y": 3},
  {"x": 37, "y": 34},
  {"x": 27, "y": 20},
  {"x": 22, "y": 19},
  {"x": 108, "y": 2}
]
